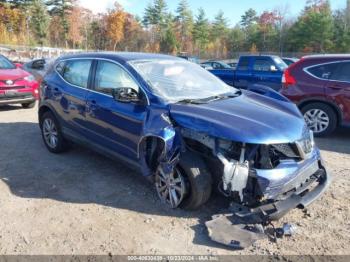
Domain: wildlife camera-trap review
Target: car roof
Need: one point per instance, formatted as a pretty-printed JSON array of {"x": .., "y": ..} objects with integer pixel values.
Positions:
[
  {"x": 125, "y": 56},
  {"x": 345, "y": 56}
]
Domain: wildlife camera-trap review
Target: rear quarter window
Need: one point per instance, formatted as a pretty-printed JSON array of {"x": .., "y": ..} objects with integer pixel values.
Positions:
[
  {"x": 323, "y": 71},
  {"x": 75, "y": 72}
]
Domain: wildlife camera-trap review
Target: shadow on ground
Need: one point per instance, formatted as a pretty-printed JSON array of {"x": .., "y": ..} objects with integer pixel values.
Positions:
[
  {"x": 84, "y": 177},
  {"x": 338, "y": 142}
]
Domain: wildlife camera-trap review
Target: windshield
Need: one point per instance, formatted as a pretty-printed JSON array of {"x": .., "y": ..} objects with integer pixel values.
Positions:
[
  {"x": 280, "y": 63},
  {"x": 175, "y": 80},
  {"x": 6, "y": 64}
]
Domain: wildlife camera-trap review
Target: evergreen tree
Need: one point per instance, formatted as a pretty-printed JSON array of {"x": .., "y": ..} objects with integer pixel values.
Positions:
[
  {"x": 39, "y": 20},
  {"x": 184, "y": 19},
  {"x": 61, "y": 8},
  {"x": 201, "y": 31}
]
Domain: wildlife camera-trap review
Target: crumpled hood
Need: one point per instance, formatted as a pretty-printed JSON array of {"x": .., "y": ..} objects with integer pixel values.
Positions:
[
  {"x": 249, "y": 118},
  {"x": 12, "y": 74}
]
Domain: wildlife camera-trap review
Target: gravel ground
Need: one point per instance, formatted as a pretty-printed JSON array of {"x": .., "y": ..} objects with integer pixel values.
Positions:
[{"x": 83, "y": 203}]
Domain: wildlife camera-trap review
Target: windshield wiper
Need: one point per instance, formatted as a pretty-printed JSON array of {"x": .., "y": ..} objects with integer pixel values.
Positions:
[
  {"x": 210, "y": 98},
  {"x": 192, "y": 101},
  {"x": 222, "y": 96}
]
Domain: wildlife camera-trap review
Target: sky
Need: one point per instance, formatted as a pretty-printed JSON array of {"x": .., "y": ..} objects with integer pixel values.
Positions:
[{"x": 233, "y": 9}]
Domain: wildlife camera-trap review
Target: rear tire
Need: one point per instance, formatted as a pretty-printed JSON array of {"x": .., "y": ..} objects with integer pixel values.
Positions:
[
  {"x": 320, "y": 112},
  {"x": 29, "y": 105},
  {"x": 52, "y": 134}
]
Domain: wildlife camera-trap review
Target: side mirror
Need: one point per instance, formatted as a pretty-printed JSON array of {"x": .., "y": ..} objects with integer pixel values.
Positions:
[
  {"x": 273, "y": 68},
  {"x": 18, "y": 65},
  {"x": 126, "y": 95}
]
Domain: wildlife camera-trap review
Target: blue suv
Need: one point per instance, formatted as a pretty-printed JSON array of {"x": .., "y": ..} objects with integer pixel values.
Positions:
[{"x": 184, "y": 129}]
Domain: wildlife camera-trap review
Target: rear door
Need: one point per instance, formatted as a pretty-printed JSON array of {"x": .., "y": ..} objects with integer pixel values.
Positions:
[
  {"x": 338, "y": 88},
  {"x": 69, "y": 96}
]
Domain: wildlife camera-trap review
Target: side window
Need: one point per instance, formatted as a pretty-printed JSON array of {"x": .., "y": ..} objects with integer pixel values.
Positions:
[
  {"x": 243, "y": 64},
  {"x": 60, "y": 68},
  {"x": 76, "y": 72},
  {"x": 110, "y": 76},
  {"x": 216, "y": 66},
  {"x": 323, "y": 71},
  {"x": 342, "y": 73},
  {"x": 263, "y": 64}
]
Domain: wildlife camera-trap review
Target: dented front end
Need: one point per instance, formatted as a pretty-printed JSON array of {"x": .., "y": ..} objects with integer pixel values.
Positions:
[{"x": 259, "y": 175}]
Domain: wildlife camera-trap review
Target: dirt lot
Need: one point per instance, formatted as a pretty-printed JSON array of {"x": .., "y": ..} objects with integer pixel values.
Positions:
[{"x": 83, "y": 203}]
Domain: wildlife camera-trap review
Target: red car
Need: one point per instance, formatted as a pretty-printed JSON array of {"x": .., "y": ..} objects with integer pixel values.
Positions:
[
  {"x": 16, "y": 85},
  {"x": 320, "y": 86}
]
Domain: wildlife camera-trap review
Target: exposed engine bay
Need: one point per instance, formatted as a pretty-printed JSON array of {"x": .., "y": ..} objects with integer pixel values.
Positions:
[{"x": 264, "y": 181}]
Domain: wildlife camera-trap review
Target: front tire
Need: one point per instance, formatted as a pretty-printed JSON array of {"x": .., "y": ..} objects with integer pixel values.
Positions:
[
  {"x": 52, "y": 134},
  {"x": 188, "y": 187},
  {"x": 321, "y": 118}
]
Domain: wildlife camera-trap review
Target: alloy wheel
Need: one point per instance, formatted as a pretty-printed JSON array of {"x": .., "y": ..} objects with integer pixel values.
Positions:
[
  {"x": 50, "y": 133},
  {"x": 317, "y": 120},
  {"x": 171, "y": 188}
]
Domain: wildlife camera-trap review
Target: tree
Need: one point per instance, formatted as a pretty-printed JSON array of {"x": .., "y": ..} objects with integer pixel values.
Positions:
[
  {"x": 155, "y": 14},
  {"x": 313, "y": 31},
  {"x": 168, "y": 43},
  {"x": 267, "y": 28},
  {"x": 76, "y": 19},
  {"x": 39, "y": 20},
  {"x": 184, "y": 20},
  {"x": 61, "y": 9},
  {"x": 249, "y": 18},
  {"x": 201, "y": 30},
  {"x": 115, "y": 25}
]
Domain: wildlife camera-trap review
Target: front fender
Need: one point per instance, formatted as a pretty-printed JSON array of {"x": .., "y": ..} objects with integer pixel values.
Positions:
[{"x": 159, "y": 125}]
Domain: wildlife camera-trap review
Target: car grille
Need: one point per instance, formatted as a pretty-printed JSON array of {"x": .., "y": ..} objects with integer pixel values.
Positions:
[
  {"x": 288, "y": 150},
  {"x": 285, "y": 151}
]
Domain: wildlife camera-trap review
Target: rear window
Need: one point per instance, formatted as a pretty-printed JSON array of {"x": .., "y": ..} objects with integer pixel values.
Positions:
[
  {"x": 243, "y": 64},
  {"x": 323, "y": 71}
]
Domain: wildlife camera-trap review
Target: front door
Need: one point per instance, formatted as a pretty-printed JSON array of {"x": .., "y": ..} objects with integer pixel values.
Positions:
[
  {"x": 114, "y": 125},
  {"x": 264, "y": 75}
]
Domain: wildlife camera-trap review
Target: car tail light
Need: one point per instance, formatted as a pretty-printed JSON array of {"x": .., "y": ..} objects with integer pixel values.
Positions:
[{"x": 288, "y": 79}]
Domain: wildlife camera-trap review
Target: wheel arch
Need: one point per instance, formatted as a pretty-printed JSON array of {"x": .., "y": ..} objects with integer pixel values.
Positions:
[{"x": 334, "y": 106}]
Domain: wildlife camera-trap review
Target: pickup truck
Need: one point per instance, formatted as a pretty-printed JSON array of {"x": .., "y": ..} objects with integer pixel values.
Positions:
[{"x": 255, "y": 69}]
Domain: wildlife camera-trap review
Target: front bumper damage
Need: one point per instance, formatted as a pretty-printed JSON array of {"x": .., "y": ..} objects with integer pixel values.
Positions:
[{"x": 290, "y": 185}]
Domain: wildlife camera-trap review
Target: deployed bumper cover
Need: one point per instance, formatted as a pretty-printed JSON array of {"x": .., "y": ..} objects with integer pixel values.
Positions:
[{"x": 288, "y": 186}]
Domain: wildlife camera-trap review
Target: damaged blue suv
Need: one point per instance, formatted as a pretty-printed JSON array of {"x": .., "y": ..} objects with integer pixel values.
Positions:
[{"x": 184, "y": 129}]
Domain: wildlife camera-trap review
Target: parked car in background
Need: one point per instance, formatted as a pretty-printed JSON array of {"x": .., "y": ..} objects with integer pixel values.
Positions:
[
  {"x": 289, "y": 61},
  {"x": 216, "y": 65},
  {"x": 320, "y": 86},
  {"x": 38, "y": 67},
  {"x": 192, "y": 59},
  {"x": 254, "y": 69},
  {"x": 16, "y": 85},
  {"x": 185, "y": 129}
]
